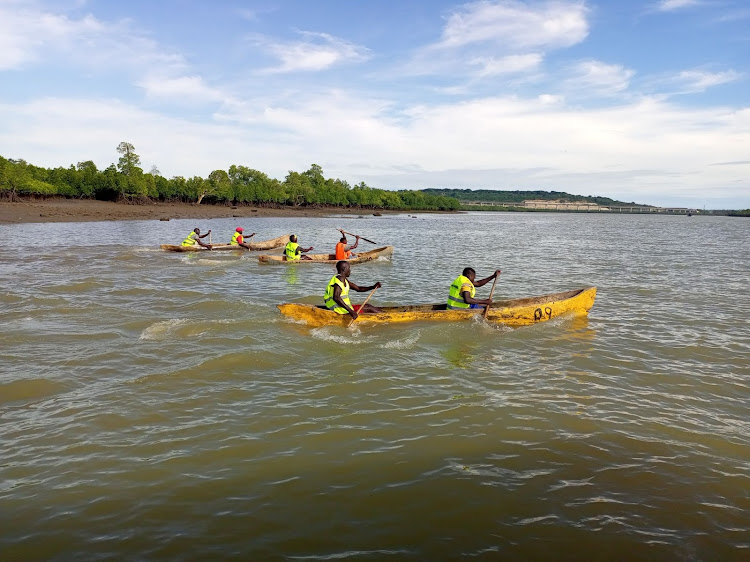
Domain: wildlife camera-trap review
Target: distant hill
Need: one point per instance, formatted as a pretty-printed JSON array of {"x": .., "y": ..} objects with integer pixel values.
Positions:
[{"x": 495, "y": 196}]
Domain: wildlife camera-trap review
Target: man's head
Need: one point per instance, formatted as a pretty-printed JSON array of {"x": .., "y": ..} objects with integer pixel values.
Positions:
[
  {"x": 343, "y": 268},
  {"x": 197, "y": 230},
  {"x": 240, "y": 229},
  {"x": 292, "y": 238},
  {"x": 343, "y": 239},
  {"x": 469, "y": 273}
]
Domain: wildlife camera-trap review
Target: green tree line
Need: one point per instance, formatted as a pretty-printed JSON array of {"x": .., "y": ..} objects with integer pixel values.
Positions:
[
  {"x": 239, "y": 185},
  {"x": 516, "y": 196}
]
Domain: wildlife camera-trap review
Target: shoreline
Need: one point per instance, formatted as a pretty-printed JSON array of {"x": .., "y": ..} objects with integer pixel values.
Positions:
[{"x": 89, "y": 210}]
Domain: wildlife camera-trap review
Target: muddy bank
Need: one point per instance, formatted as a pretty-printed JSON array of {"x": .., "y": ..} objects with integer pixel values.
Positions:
[{"x": 82, "y": 210}]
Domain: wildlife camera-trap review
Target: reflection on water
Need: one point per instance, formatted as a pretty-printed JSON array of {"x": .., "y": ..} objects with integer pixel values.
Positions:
[{"x": 156, "y": 405}]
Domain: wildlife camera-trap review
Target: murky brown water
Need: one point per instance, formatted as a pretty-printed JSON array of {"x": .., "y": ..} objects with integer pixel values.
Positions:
[{"x": 157, "y": 406}]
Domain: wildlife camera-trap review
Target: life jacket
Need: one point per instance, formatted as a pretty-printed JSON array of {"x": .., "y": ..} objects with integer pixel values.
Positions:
[
  {"x": 332, "y": 304},
  {"x": 191, "y": 240},
  {"x": 237, "y": 239},
  {"x": 291, "y": 251},
  {"x": 455, "y": 300},
  {"x": 341, "y": 252}
]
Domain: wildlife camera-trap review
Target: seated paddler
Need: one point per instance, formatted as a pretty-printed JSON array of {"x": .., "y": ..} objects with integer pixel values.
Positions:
[
  {"x": 195, "y": 238},
  {"x": 343, "y": 251},
  {"x": 337, "y": 293},
  {"x": 293, "y": 251},
  {"x": 462, "y": 291},
  {"x": 238, "y": 239}
]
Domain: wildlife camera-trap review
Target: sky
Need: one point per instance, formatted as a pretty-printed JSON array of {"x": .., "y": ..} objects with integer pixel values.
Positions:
[{"x": 638, "y": 100}]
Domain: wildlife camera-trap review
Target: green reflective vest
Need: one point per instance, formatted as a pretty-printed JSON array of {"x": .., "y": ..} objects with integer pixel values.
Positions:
[
  {"x": 332, "y": 304},
  {"x": 191, "y": 240},
  {"x": 235, "y": 240},
  {"x": 455, "y": 300},
  {"x": 291, "y": 251}
]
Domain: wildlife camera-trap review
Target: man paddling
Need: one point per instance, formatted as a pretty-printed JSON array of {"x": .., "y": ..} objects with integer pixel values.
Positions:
[
  {"x": 239, "y": 240},
  {"x": 462, "y": 290},
  {"x": 337, "y": 293},
  {"x": 342, "y": 250},
  {"x": 194, "y": 238},
  {"x": 293, "y": 251}
]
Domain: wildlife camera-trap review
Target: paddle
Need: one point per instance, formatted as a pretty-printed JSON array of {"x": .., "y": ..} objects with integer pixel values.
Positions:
[
  {"x": 487, "y": 308},
  {"x": 361, "y": 237},
  {"x": 362, "y": 307}
]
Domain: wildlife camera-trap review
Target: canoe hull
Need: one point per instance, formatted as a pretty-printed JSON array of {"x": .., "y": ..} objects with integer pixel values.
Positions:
[
  {"x": 385, "y": 251},
  {"x": 514, "y": 312},
  {"x": 277, "y": 242}
]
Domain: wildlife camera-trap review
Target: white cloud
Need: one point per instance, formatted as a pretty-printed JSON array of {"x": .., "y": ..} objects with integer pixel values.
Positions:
[
  {"x": 646, "y": 149},
  {"x": 510, "y": 64},
  {"x": 599, "y": 78},
  {"x": 698, "y": 80},
  {"x": 188, "y": 89},
  {"x": 318, "y": 51},
  {"x": 693, "y": 81},
  {"x": 672, "y": 5},
  {"x": 517, "y": 25},
  {"x": 30, "y": 35}
]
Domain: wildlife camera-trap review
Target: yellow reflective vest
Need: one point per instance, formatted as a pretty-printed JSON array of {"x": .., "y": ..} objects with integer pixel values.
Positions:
[
  {"x": 191, "y": 240},
  {"x": 332, "y": 304},
  {"x": 291, "y": 251},
  {"x": 235, "y": 238},
  {"x": 455, "y": 300}
]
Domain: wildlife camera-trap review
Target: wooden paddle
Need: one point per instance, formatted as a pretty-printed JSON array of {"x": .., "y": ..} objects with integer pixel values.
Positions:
[
  {"x": 487, "y": 308},
  {"x": 361, "y": 237},
  {"x": 362, "y": 307}
]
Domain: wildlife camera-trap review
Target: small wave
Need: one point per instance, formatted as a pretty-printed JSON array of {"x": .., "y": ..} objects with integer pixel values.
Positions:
[
  {"x": 355, "y": 337},
  {"x": 406, "y": 343},
  {"x": 162, "y": 330},
  {"x": 181, "y": 327}
]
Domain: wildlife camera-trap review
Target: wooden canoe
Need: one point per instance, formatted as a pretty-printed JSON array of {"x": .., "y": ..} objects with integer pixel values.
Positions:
[
  {"x": 385, "y": 251},
  {"x": 513, "y": 312},
  {"x": 277, "y": 242}
]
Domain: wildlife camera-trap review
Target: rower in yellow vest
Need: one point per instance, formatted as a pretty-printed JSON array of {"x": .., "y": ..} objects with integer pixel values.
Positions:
[
  {"x": 462, "y": 291},
  {"x": 337, "y": 293},
  {"x": 293, "y": 251},
  {"x": 194, "y": 238},
  {"x": 238, "y": 239}
]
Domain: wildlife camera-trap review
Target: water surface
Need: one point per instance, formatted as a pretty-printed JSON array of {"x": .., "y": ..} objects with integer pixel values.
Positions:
[{"x": 157, "y": 406}]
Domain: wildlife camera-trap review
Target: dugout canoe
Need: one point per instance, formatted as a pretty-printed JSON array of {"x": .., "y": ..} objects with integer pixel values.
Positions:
[
  {"x": 277, "y": 242},
  {"x": 513, "y": 312},
  {"x": 385, "y": 251}
]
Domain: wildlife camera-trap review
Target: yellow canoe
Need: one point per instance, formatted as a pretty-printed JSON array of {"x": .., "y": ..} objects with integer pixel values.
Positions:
[
  {"x": 513, "y": 312},
  {"x": 385, "y": 251},
  {"x": 277, "y": 242}
]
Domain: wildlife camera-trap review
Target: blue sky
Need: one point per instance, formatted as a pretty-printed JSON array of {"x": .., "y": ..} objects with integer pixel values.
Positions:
[{"x": 642, "y": 101}]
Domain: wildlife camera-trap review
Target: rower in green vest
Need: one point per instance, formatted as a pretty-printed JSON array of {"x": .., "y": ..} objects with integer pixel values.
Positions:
[
  {"x": 461, "y": 295},
  {"x": 337, "y": 293},
  {"x": 194, "y": 238},
  {"x": 293, "y": 251},
  {"x": 238, "y": 239}
]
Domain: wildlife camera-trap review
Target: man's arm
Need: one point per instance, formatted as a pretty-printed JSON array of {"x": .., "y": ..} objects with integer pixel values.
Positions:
[
  {"x": 468, "y": 299},
  {"x": 204, "y": 235},
  {"x": 363, "y": 289},
  {"x": 484, "y": 281},
  {"x": 356, "y": 243}
]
